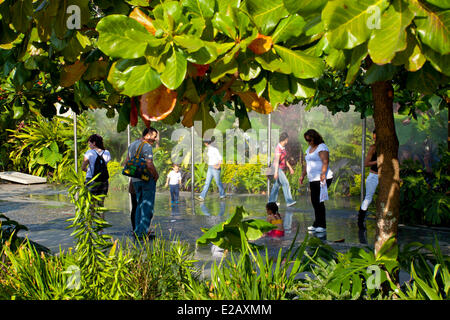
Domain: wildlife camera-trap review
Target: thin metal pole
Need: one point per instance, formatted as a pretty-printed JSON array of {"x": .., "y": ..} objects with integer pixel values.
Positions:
[
  {"x": 129, "y": 135},
  {"x": 75, "y": 140},
  {"x": 269, "y": 150},
  {"x": 129, "y": 179},
  {"x": 192, "y": 163},
  {"x": 363, "y": 156}
]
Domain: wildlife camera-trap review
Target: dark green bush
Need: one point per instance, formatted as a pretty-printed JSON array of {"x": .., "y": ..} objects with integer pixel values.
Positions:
[{"x": 424, "y": 197}]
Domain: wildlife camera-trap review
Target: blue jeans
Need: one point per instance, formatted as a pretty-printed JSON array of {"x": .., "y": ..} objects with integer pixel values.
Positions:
[
  {"x": 212, "y": 173},
  {"x": 145, "y": 196},
  {"x": 283, "y": 182},
  {"x": 174, "y": 192}
]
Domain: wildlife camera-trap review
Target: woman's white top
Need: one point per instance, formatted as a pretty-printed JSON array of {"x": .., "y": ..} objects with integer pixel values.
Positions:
[
  {"x": 174, "y": 177},
  {"x": 214, "y": 156},
  {"x": 91, "y": 155},
  {"x": 314, "y": 163}
]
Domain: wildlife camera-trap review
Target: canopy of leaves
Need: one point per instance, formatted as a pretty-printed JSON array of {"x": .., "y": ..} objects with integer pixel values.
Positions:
[{"x": 248, "y": 54}]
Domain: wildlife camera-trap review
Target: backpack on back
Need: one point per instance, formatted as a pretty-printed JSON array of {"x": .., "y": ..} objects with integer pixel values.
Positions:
[{"x": 100, "y": 167}]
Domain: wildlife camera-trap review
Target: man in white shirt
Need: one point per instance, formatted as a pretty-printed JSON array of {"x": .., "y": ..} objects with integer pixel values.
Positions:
[{"x": 214, "y": 169}]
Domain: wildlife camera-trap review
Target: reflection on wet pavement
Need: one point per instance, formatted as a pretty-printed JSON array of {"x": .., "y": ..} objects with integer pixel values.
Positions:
[{"x": 45, "y": 209}]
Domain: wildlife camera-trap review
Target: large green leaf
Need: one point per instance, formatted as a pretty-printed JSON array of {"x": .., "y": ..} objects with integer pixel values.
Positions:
[
  {"x": 424, "y": 80},
  {"x": 266, "y": 14},
  {"x": 302, "y": 66},
  {"x": 228, "y": 234},
  {"x": 242, "y": 22},
  {"x": 205, "y": 55},
  {"x": 388, "y": 254},
  {"x": 50, "y": 156},
  {"x": 350, "y": 22},
  {"x": 412, "y": 57},
  {"x": 205, "y": 117},
  {"x": 21, "y": 75},
  {"x": 124, "y": 116},
  {"x": 203, "y": 8},
  {"x": 260, "y": 86},
  {"x": 391, "y": 36},
  {"x": 271, "y": 62},
  {"x": 124, "y": 37},
  {"x": 255, "y": 228},
  {"x": 248, "y": 69},
  {"x": 22, "y": 11},
  {"x": 336, "y": 59},
  {"x": 312, "y": 31},
  {"x": 444, "y": 4},
  {"x": 292, "y": 26},
  {"x": 188, "y": 42},
  {"x": 120, "y": 72},
  {"x": 226, "y": 6},
  {"x": 439, "y": 62},
  {"x": 304, "y": 6},
  {"x": 175, "y": 71},
  {"x": 302, "y": 88},
  {"x": 7, "y": 35},
  {"x": 220, "y": 69},
  {"x": 433, "y": 27},
  {"x": 379, "y": 73},
  {"x": 358, "y": 55},
  {"x": 97, "y": 70},
  {"x": 225, "y": 24},
  {"x": 142, "y": 79},
  {"x": 278, "y": 89},
  {"x": 171, "y": 12}
]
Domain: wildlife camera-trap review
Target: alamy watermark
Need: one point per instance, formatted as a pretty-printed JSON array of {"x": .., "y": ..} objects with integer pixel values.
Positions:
[
  {"x": 374, "y": 280},
  {"x": 73, "y": 281},
  {"x": 374, "y": 20},
  {"x": 73, "y": 22}
]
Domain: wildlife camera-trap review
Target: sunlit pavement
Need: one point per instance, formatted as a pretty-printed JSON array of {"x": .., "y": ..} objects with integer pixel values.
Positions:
[{"x": 44, "y": 209}]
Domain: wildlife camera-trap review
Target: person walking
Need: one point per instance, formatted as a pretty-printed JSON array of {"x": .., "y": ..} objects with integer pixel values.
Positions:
[
  {"x": 174, "y": 183},
  {"x": 318, "y": 171},
  {"x": 95, "y": 162},
  {"x": 214, "y": 170},
  {"x": 371, "y": 182},
  {"x": 144, "y": 190},
  {"x": 281, "y": 165}
]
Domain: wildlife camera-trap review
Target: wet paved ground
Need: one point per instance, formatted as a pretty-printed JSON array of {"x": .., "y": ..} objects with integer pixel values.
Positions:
[{"x": 44, "y": 209}]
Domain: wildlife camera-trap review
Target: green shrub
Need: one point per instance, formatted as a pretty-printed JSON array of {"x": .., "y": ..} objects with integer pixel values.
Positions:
[
  {"x": 429, "y": 270},
  {"x": 45, "y": 147},
  {"x": 424, "y": 196},
  {"x": 248, "y": 275},
  {"x": 104, "y": 269},
  {"x": 160, "y": 268}
]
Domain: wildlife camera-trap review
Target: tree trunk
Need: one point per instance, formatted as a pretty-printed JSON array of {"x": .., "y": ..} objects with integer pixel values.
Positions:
[{"x": 388, "y": 202}]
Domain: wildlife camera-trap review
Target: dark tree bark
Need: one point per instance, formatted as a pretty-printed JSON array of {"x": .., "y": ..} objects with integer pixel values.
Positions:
[{"x": 388, "y": 203}]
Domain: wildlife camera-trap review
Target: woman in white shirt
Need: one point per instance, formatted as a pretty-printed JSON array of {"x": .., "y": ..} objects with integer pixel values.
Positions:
[
  {"x": 214, "y": 164},
  {"x": 318, "y": 171},
  {"x": 96, "y": 149}
]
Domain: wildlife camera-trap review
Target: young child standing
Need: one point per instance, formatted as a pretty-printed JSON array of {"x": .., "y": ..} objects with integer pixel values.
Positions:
[
  {"x": 174, "y": 183},
  {"x": 274, "y": 218}
]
